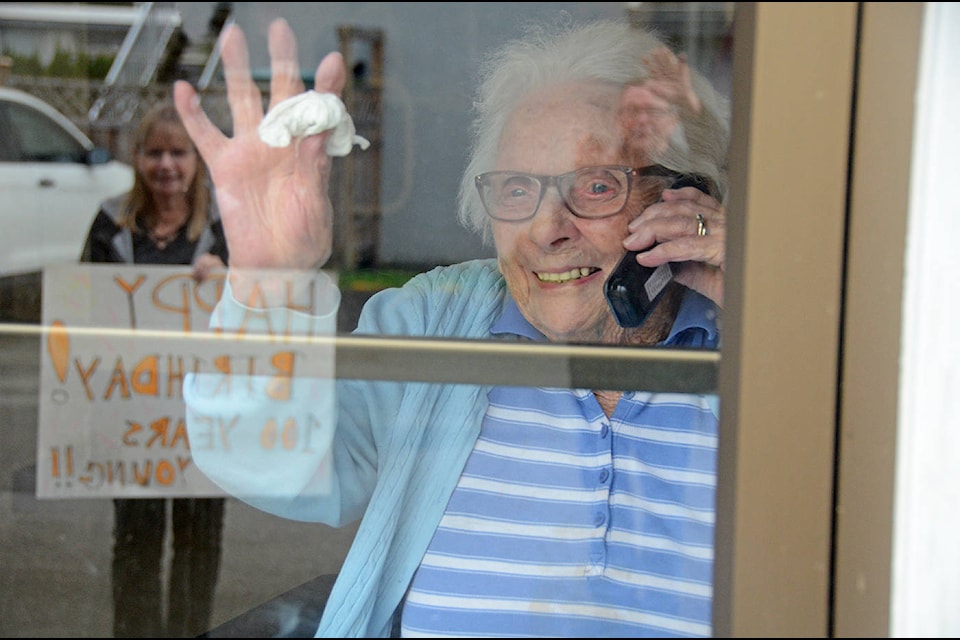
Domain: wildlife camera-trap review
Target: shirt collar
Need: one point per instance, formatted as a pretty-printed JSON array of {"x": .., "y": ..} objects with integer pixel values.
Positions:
[{"x": 696, "y": 312}]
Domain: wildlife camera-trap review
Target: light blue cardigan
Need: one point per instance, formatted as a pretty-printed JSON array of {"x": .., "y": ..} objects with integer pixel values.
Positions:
[
  {"x": 396, "y": 453},
  {"x": 397, "y": 458}
]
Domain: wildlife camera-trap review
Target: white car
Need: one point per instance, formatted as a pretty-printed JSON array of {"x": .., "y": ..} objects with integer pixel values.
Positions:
[{"x": 52, "y": 179}]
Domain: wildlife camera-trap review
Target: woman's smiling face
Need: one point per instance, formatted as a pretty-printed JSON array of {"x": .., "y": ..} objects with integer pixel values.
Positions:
[{"x": 167, "y": 162}]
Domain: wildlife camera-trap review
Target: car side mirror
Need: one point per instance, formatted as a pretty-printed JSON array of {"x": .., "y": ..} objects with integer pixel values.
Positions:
[{"x": 98, "y": 155}]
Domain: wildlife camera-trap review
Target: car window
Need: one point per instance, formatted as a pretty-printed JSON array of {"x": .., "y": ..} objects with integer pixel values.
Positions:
[
  {"x": 41, "y": 139},
  {"x": 9, "y": 145}
]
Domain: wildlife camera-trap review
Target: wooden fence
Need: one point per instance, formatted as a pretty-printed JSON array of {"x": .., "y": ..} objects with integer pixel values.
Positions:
[{"x": 74, "y": 98}]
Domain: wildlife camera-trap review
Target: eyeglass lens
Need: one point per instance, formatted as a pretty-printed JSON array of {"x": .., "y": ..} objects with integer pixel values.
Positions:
[{"x": 590, "y": 192}]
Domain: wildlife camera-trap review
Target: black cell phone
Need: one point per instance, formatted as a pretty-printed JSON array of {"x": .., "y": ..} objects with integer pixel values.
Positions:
[{"x": 632, "y": 290}]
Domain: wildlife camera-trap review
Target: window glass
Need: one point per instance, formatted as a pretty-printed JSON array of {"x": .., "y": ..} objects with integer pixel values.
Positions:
[{"x": 449, "y": 395}]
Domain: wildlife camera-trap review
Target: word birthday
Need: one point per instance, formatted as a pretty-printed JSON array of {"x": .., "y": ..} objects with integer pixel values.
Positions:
[{"x": 158, "y": 376}]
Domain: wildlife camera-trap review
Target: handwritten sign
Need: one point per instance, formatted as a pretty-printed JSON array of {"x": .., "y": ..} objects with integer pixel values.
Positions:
[{"x": 119, "y": 341}]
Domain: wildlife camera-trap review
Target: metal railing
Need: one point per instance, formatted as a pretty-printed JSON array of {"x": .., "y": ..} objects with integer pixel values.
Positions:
[{"x": 136, "y": 63}]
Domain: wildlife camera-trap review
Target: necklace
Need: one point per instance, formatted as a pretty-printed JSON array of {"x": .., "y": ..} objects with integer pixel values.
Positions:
[{"x": 161, "y": 240}]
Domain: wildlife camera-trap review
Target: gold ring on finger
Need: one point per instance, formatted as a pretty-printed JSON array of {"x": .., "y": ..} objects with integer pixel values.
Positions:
[{"x": 701, "y": 225}]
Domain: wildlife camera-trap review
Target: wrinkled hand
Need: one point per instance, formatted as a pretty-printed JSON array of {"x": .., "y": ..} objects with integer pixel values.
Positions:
[
  {"x": 673, "y": 224},
  {"x": 274, "y": 202}
]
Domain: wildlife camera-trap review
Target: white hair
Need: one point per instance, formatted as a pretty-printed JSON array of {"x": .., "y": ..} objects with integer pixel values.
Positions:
[{"x": 606, "y": 51}]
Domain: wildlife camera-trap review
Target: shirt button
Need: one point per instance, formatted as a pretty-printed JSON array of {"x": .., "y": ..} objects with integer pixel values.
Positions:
[
  {"x": 604, "y": 430},
  {"x": 604, "y": 475},
  {"x": 599, "y": 519}
]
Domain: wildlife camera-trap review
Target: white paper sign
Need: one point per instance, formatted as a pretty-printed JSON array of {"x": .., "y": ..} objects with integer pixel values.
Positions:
[{"x": 118, "y": 341}]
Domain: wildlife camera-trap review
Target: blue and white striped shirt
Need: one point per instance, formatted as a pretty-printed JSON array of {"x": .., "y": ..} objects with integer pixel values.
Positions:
[{"x": 567, "y": 523}]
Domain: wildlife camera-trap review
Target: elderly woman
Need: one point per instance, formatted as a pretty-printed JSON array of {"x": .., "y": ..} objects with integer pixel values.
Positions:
[{"x": 493, "y": 511}]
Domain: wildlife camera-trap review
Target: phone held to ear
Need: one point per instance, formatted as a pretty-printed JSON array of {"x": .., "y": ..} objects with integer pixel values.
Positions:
[{"x": 633, "y": 290}]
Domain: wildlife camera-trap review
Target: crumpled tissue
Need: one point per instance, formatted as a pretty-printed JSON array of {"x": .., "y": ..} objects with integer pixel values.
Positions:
[{"x": 307, "y": 114}]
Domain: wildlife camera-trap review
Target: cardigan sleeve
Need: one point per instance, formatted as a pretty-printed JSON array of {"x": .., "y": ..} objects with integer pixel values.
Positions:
[
  {"x": 266, "y": 436},
  {"x": 329, "y": 471}
]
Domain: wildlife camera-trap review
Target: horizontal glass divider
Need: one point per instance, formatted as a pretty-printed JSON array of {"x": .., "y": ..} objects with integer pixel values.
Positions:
[{"x": 400, "y": 358}]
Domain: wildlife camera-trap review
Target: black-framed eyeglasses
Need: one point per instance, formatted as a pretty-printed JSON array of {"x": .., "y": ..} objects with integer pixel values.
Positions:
[{"x": 589, "y": 192}]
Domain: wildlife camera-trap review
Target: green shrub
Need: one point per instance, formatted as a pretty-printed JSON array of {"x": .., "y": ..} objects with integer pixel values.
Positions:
[
  {"x": 64, "y": 64},
  {"x": 374, "y": 279}
]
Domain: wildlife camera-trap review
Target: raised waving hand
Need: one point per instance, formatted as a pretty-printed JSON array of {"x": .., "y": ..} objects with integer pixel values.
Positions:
[{"x": 274, "y": 201}]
